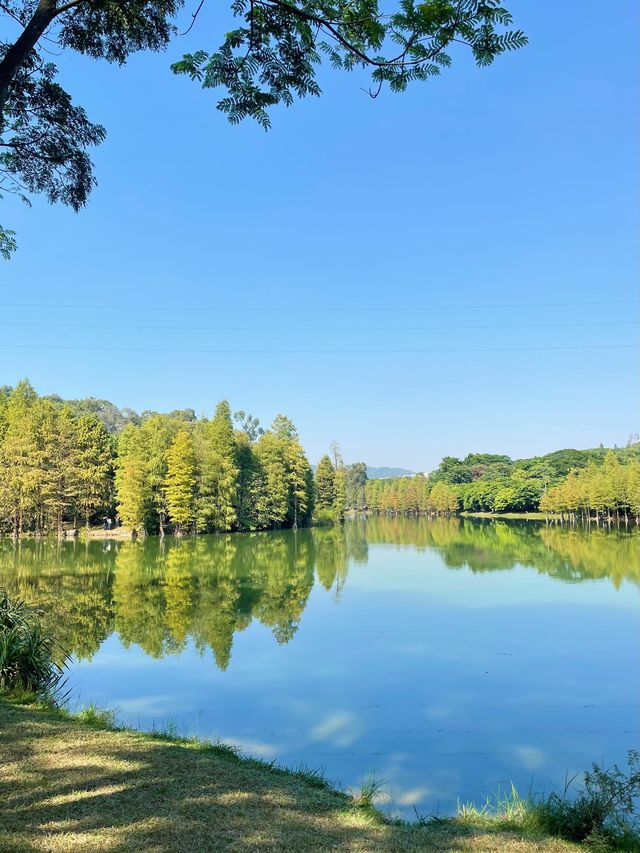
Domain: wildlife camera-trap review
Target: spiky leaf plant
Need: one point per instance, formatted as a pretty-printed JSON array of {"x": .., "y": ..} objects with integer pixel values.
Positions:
[{"x": 29, "y": 657}]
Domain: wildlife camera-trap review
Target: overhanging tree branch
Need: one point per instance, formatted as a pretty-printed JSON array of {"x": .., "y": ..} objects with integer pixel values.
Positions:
[
  {"x": 15, "y": 57},
  {"x": 271, "y": 58}
]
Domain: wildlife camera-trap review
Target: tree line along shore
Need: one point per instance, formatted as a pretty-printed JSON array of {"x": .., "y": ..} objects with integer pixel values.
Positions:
[
  {"x": 64, "y": 464},
  {"x": 590, "y": 486}
]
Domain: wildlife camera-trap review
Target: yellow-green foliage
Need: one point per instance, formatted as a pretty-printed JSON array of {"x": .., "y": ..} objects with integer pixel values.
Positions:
[
  {"x": 54, "y": 465},
  {"x": 218, "y": 484},
  {"x": 180, "y": 481},
  {"x": 59, "y": 466},
  {"x": 411, "y": 495},
  {"x": 611, "y": 488}
]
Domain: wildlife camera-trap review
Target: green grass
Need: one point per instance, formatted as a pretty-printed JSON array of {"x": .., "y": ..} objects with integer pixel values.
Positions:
[
  {"x": 92, "y": 715},
  {"x": 531, "y": 516},
  {"x": 601, "y": 814}
]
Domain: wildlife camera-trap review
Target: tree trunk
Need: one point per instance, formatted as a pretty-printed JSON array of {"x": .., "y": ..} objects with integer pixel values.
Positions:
[{"x": 19, "y": 51}]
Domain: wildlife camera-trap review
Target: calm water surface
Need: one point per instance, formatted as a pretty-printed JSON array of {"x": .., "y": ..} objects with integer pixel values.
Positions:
[{"x": 450, "y": 657}]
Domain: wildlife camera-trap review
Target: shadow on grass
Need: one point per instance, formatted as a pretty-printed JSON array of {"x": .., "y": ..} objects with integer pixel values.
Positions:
[{"x": 67, "y": 786}]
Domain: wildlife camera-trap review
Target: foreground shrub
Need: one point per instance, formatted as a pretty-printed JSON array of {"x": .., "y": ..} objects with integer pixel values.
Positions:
[
  {"x": 603, "y": 811},
  {"x": 602, "y": 815},
  {"x": 28, "y": 659}
]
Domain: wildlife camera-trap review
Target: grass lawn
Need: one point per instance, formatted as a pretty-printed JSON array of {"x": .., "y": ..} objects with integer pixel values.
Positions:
[
  {"x": 69, "y": 786},
  {"x": 528, "y": 516}
]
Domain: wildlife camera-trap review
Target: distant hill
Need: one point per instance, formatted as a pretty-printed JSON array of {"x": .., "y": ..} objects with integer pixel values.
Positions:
[
  {"x": 548, "y": 468},
  {"x": 383, "y": 473}
]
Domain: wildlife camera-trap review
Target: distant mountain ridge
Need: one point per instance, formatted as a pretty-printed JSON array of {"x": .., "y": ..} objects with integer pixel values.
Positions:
[{"x": 384, "y": 472}]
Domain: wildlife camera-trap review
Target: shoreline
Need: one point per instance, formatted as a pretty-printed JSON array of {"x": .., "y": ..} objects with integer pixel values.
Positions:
[
  {"x": 127, "y": 535},
  {"x": 523, "y": 516},
  {"x": 95, "y": 785}
]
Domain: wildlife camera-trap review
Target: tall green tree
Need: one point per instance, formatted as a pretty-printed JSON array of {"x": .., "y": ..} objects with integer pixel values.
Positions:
[
  {"x": 443, "y": 498},
  {"x": 633, "y": 489},
  {"x": 218, "y": 481},
  {"x": 180, "y": 482},
  {"x": 159, "y": 431},
  {"x": 248, "y": 479},
  {"x": 271, "y": 487},
  {"x": 356, "y": 480},
  {"x": 94, "y": 456},
  {"x": 283, "y": 488},
  {"x": 59, "y": 476},
  {"x": 325, "y": 484},
  {"x": 300, "y": 481},
  {"x": 340, "y": 504},
  {"x": 134, "y": 501},
  {"x": 298, "y": 473},
  {"x": 20, "y": 457}
]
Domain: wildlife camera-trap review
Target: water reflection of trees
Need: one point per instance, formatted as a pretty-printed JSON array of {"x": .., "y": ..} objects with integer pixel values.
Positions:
[
  {"x": 162, "y": 594},
  {"x": 68, "y": 582},
  {"x": 567, "y": 553}
]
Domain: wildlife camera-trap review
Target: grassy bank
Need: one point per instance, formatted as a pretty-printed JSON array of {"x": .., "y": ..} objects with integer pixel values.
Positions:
[
  {"x": 72, "y": 784},
  {"x": 101, "y": 533},
  {"x": 528, "y": 516}
]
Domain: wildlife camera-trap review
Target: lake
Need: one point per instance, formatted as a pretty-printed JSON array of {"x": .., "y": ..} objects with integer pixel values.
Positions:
[{"x": 449, "y": 656}]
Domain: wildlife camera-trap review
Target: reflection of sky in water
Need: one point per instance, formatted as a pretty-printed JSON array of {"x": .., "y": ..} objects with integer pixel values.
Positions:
[{"x": 446, "y": 683}]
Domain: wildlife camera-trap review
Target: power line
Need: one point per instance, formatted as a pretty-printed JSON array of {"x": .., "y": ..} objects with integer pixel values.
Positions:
[
  {"x": 173, "y": 328},
  {"x": 315, "y": 351},
  {"x": 299, "y": 307}
]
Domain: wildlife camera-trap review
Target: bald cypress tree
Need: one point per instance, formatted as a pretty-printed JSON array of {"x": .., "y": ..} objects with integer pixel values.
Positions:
[
  {"x": 19, "y": 456},
  {"x": 159, "y": 432},
  {"x": 271, "y": 488},
  {"x": 325, "y": 483},
  {"x": 340, "y": 503},
  {"x": 94, "y": 461},
  {"x": 218, "y": 481},
  {"x": 134, "y": 494},
  {"x": 58, "y": 468},
  {"x": 180, "y": 483},
  {"x": 300, "y": 483}
]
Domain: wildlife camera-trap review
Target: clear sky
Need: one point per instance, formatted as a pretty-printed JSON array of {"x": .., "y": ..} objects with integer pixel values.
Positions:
[{"x": 449, "y": 270}]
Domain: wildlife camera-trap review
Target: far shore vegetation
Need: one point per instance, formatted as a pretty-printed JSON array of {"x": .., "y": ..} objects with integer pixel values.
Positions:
[
  {"x": 587, "y": 485},
  {"x": 84, "y": 463},
  {"x": 94, "y": 785}
]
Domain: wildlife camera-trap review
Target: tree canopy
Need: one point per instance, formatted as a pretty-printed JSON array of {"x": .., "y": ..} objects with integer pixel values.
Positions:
[
  {"x": 59, "y": 463},
  {"x": 270, "y": 58},
  {"x": 572, "y": 482}
]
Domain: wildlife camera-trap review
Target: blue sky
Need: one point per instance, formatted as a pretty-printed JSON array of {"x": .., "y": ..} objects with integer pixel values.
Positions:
[{"x": 448, "y": 270}]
